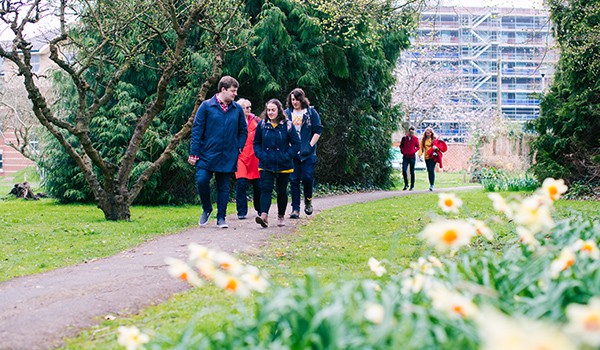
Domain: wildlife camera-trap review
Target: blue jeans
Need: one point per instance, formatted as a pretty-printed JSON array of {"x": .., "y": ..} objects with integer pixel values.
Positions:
[
  {"x": 303, "y": 172},
  {"x": 408, "y": 163},
  {"x": 430, "y": 164},
  {"x": 281, "y": 180},
  {"x": 241, "y": 199},
  {"x": 203, "y": 177}
]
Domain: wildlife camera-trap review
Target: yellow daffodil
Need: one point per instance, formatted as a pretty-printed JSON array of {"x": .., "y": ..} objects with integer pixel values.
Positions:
[
  {"x": 563, "y": 262},
  {"x": 452, "y": 303},
  {"x": 584, "y": 322},
  {"x": 374, "y": 312},
  {"x": 376, "y": 267},
  {"x": 587, "y": 248},
  {"x": 553, "y": 189},
  {"x": 481, "y": 229},
  {"x": 131, "y": 338},
  {"x": 500, "y": 332},
  {"x": 448, "y": 234},
  {"x": 449, "y": 202},
  {"x": 179, "y": 269}
]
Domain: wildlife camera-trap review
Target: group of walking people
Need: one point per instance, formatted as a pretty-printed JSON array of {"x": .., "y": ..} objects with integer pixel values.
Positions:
[
  {"x": 430, "y": 147},
  {"x": 266, "y": 152}
]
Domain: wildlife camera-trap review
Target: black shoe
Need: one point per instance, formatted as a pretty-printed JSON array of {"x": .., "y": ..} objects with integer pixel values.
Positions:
[
  {"x": 241, "y": 217},
  {"x": 295, "y": 215},
  {"x": 431, "y": 188},
  {"x": 405, "y": 187},
  {"x": 308, "y": 209},
  {"x": 411, "y": 188}
]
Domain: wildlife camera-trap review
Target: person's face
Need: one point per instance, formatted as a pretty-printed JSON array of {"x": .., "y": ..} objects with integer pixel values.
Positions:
[
  {"x": 272, "y": 111},
  {"x": 228, "y": 95},
  {"x": 428, "y": 133},
  {"x": 247, "y": 108},
  {"x": 296, "y": 103},
  {"x": 411, "y": 132}
]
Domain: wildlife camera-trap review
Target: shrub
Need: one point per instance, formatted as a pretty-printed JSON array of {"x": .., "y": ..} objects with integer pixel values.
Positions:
[{"x": 494, "y": 179}]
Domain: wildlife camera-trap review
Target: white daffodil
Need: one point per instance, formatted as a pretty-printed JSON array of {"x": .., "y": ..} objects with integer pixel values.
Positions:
[
  {"x": 500, "y": 204},
  {"x": 180, "y": 269},
  {"x": 413, "y": 285},
  {"x": 231, "y": 284},
  {"x": 254, "y": 279},
  {"x": 435, "y": 261},
  {"x": 374, "y": 312},
  {"x": 131, "y": 338},
  {"x": 587, "y": 248},
  {"x": 565, "y": 260},
  {"x": 227, "y": 263},
  {"x": 452, "y": 303},
  {"x": 527, "y": 237},
  {"x": 423, "y": 266},
  {"x": 553, "y": 189},
  {"x": 448, "y": 234},
  {"x": 482, "y": 229},
  {"x": 199, "y": 252},
  {"x": 376, "y": 267},
  {"x": 449, "y": 202},
  {"x": 500, "y": 332},
  {"x": 584, "y": 322},
  {"x": 206, "y": 268},
  {"x": 534, "y": 214}
]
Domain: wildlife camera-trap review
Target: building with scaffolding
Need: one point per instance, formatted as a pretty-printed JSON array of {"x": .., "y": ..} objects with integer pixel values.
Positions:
[{"x": 501, "y": 59}]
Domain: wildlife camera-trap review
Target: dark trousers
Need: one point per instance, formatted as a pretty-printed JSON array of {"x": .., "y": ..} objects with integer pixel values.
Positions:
[
  {"x": 304, "y": 171},
  {"x": 408, "y": 163},
  {"x": 430, "y": 164},
  {"x": 241, "y": 199},
  {"x": 203, "y": 177},
  {"x": 267, "y": 180}
]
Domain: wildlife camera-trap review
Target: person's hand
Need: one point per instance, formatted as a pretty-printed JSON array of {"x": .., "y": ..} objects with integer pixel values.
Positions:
[
  {"x": 435, "y": 148},
  {"x": 192, "y": 160}
]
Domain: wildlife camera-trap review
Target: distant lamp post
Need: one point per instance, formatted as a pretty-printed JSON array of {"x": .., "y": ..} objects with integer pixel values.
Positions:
[{"x": 543, "y": 72}]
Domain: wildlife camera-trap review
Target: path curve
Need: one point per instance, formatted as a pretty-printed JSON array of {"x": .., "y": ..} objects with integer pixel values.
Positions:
[{"x": 39, "y": 311}]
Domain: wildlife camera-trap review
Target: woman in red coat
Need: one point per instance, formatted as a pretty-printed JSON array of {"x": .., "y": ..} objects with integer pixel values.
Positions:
[
  {"x": 247, "y": 167},
  {"x": 432, "y": 148}
]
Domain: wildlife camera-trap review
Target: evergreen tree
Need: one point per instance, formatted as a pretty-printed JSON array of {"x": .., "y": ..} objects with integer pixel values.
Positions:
[{"x": 568, "y": 141}]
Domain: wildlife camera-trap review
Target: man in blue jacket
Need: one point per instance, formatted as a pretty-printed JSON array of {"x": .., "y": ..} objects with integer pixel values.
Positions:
[{"x": 218, "y": 137}]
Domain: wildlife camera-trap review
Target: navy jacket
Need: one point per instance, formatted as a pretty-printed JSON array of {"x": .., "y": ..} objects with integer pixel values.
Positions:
[
  {"x": 217, "y": 136},
  {"x": 311, "y": 124},
  {"x": 276, "y": 147}
]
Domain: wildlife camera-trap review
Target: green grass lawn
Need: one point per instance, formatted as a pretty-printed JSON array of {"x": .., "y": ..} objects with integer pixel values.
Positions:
[
  {"x": 336, "y": 244},
  {"x": 442, "y": 180}
]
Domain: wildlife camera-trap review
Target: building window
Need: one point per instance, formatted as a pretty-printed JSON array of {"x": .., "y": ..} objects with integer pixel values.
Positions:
[{"x": 35, "y": 63}]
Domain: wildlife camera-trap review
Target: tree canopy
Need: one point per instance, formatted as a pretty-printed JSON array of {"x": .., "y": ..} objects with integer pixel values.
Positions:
[{"x": 568, "y": 141}]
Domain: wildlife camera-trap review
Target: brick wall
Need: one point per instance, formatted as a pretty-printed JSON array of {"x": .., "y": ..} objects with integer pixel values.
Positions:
[{"x": 12, "y": 161}]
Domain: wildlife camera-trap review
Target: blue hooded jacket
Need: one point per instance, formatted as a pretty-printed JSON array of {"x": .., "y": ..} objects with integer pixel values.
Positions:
[
  {"x": 217, "y": 136},
  {"x": 276, "y": 147}
]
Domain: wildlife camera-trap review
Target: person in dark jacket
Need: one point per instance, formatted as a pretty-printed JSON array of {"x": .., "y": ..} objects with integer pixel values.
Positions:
[
  {"x": 307, "y": 122},
  {"x": 218, "y": 137},
  {"x": 409, "y": 146},
  {"x": 276, "y": 145}
]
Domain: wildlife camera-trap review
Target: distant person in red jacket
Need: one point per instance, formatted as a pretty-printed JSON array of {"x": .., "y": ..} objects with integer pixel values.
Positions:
[
  {"x": 409, "y": 146},
  {"x": 247, "y": 167},
  {"x": 432, "y": 149}
]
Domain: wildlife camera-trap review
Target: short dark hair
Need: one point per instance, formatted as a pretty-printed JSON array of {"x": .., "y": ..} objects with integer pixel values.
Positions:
[
  {"x": 411, "y": 128},
  {"x": 298, "y": 95},
  {"x": 227, "y": 82}
]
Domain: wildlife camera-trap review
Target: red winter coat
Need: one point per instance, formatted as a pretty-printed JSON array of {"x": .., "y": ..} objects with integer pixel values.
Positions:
[
  {"x": 409, "y": 146},
  {"x": 247, "y": 164},
  {"x": 442, "y": 147}
]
